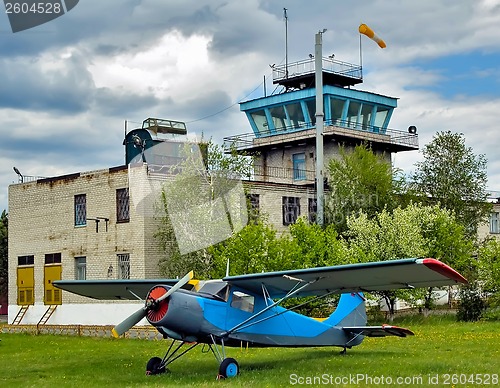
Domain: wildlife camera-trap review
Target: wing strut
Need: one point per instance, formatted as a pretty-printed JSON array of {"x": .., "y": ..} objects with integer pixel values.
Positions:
[
  {"x": 290, "y": 293},
  {"x": 289, "y": 309}
]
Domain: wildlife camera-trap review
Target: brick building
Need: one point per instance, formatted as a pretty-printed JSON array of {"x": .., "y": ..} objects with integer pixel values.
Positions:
[{"x": 77, "y": 226}]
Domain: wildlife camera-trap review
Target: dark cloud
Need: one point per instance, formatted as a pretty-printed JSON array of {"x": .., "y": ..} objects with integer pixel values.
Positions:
[
  {"x": 115, "y": 102},
  {"x": 27, "y": 85}
]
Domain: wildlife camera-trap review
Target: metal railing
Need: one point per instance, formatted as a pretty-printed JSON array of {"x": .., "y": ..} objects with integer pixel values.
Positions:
[
  {"x": 306, "y": 66},
  {"x": 263, "y": 173},
  {"x": 392, "y": 136}
]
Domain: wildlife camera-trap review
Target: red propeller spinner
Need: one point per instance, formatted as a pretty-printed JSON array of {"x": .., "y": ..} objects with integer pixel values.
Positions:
[{"x": 158, "y": 310}]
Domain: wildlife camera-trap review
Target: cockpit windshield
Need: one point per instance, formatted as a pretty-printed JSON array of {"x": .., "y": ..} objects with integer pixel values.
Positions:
[{"x": 216, "y": 288}]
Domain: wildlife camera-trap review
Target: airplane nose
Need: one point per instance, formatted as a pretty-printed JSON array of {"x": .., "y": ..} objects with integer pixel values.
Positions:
[{"x": 158, "y": 310}]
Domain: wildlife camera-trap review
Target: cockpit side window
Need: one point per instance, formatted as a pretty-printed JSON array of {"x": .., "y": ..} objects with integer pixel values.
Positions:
[{"x": 243, "y": 301}]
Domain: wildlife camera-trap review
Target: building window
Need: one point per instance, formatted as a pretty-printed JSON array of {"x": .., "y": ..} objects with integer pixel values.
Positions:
[
  {"x": 494, "y": 223},
  {"x": 291, "y": 210},
  {"x": 53, "y": 258},
  {"x": 123, "y": 266},
  {"x": 26, "y": 260},
  {"x": 299, "y": 166},
  {"x": 253, "y": 206},
  {"x": 122, "y": 205},
  {"x": 312, "y": 210},
  {"x": 80, "y": 210},
  {"x": 81, "y": 268}
]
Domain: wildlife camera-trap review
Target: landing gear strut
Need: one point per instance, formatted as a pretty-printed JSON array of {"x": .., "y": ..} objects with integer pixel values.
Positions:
[
  {"x": 156, "y": 365},
  {"x": 228, "y": 367}
]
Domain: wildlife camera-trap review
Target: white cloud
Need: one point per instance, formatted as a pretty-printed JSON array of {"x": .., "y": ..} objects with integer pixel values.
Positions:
[{"x": 69, "y": 85}]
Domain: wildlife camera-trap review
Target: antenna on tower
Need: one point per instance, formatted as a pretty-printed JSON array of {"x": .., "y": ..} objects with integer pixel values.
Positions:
[{"x": 285, "y": 15}]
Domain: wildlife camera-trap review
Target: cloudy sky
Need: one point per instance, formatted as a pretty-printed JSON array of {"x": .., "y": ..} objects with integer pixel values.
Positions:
[{"x": 68, "y": 86}]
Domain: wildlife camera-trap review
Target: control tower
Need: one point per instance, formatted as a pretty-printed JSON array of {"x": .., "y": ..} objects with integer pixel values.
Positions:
[{"x": 283, "y": 125}]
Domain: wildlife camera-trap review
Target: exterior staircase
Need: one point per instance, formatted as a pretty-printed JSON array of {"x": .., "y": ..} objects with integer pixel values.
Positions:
[
  {"x": 46, "y": 315},
  {"x": 20, "y": 315}
]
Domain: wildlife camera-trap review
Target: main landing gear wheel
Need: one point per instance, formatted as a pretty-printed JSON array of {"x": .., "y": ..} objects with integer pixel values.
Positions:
[
  {"x": 154, "y": 366},
  {"x": 229, "y": 368}
]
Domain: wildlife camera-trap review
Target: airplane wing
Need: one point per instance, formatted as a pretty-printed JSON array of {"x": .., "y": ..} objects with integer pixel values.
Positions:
[
  {"x": 379, "y": 331},
  {"x": 369, "y": 277},
  {"x": 114, "y": 289}
]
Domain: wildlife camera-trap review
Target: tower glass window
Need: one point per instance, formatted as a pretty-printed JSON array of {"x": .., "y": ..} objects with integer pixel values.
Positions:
[
  {"x": 366, "y": 116},
  {"x": 311, "y": 109},
  {"x": 380, "y": 116},
  {"x": 260, "y": 120},
  {"x": 337, "y": 109},
  {"x": 80, "y": 210},
  {"x": 279, "y": 118},
  {"x": 296, "y": 115},
  {"x": 352, "y": 114}
]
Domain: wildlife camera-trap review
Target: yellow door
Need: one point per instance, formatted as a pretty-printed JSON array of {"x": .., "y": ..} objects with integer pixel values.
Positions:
[
  {"x": 25, "y": 286},
  {"x": 52, "y": 295}
]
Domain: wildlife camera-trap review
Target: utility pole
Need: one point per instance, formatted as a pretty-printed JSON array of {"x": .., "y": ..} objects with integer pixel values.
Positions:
[{"x": 318, "y": 65}]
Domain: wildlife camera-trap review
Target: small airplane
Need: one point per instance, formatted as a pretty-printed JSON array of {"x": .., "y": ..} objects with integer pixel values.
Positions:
[{"x": 246, "y": 310}]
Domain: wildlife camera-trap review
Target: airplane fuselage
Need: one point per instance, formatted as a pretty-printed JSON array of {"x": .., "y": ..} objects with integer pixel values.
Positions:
[{"x": 196, "y": 317}]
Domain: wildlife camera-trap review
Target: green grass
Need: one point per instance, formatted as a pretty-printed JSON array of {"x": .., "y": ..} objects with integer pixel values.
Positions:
[{"x": 441, "y": 346}]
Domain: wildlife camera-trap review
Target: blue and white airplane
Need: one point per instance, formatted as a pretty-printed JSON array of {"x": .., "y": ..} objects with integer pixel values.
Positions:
[{"x": 246, "y": 310}]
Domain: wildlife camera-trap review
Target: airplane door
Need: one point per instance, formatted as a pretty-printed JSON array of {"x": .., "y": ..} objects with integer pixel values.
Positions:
[
  {"x": 52, "y": 295},
  {"x": 25, "y": 286}
]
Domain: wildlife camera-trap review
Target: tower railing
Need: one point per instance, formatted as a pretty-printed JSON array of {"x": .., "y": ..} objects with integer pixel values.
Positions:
[
  {"x": 387, "y": 135},
  {"x": 306, "y": 66}
]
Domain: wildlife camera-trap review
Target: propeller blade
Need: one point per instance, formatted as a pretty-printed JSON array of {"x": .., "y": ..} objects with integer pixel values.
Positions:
[
  {"x": 176, "y": 286},
  {"x": 134, "y": 319},
  {"x": 129, "y": 322}
]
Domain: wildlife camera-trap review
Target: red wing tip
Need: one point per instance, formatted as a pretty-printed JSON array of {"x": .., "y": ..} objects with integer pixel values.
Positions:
[{"x": 444, "y": 270}]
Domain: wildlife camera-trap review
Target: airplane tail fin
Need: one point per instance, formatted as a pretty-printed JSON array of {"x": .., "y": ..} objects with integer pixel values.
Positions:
[{"x": 350, "y": 311}]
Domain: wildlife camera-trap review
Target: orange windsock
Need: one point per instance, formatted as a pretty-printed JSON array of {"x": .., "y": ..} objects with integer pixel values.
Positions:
[{"x": 365, "y": 30}]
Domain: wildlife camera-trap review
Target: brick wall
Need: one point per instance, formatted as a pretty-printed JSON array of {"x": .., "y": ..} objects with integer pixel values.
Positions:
[{"x": 42, "y": 220}]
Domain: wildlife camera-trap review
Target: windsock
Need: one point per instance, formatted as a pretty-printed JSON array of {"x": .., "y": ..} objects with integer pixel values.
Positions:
[{"x": 365, "y": 30}]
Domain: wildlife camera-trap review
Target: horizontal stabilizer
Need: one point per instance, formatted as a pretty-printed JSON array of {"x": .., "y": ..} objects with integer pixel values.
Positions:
[{"x": 379, "y": 331}]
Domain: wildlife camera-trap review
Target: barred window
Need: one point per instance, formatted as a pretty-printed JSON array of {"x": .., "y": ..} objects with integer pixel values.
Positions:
[
  {"x": 291, "y": 210},
  {"x": 123, "y": 266},
  {"x": 253, "y": 206},
  {"x": 122, "y": 205},
  {"x": 81, "y": 268},
  {"x": 80, "y": 210},
  {"x": 312, "y": 210}
]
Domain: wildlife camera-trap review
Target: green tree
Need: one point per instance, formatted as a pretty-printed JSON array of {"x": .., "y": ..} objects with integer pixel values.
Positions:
[
  {"x": 362, "y": 181},
  {"x": 318, "y": 246},
  {"x": 201, "y": 203},
  {"x": 489, "y": 263},
  {"x": 454, "y": 176},
  {"x": 4, "y": 268},
  {"x": 255, "y": 248},
  {"x": 414, "y": 231}
]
